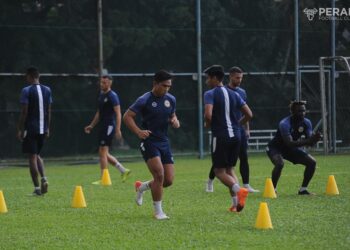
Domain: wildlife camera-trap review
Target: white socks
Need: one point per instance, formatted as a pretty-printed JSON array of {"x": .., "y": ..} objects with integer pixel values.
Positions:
[
  {"x": 234, "y": 201},
  {"x": 302, "y": 189},
  {"x": 120, "y": 167},
  {"x": 145, "y": 186},
  {"x": 236, "y": 188},
  {"x": 158, "y": 207}
]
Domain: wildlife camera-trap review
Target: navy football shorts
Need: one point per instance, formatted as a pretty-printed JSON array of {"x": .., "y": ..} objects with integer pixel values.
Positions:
[
  {"x": 106, "y": 135},
  {"x": 150, "y": 149},
  {"x": 294, "y": 155},
  {"x": 224, "y": 152},
  {"x": 32, "y": 143}
]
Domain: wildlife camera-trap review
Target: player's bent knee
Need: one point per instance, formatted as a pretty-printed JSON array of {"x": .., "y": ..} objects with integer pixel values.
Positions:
[
  {"x": 312, "y": 164},
  {"x": 158, "y": 177},
  {"x": 279, "y": 165},
  {"x": 102, "y": 152},
  {"x": 167, "y": 183}
]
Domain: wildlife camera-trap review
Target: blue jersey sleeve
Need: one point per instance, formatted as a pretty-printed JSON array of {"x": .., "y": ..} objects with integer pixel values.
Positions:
[
  {"x": 209, "y": 97},
  {"x": 242, "y": 93},
  {"x": 173, "y": 107},
  {"x": 240, "y": 102},
  {"x": 284, "y": 128},
  {"x": 244, "y": 97},
  {"x": 138, "y": 105},
  {"x": 308, "y": 131},
  {"x": 115, "y": 99},
  {"x": 50, "y": 95},
  {"x": 24, "y": 99}
]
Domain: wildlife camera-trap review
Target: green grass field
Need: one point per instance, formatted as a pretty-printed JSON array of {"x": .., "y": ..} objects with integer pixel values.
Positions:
[{"x": 199, "y": 220}]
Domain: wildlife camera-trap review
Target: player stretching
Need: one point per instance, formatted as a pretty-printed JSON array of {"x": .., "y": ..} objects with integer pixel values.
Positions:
[
  {"x": 157, "y": 110},
  {"x": 288, "y": 142},
  {"x": 109, "y": 116},
  {"x": 236, "y": 76},
  {"x": 33, "y": 126},
  {"x": 221, "y": 105}
]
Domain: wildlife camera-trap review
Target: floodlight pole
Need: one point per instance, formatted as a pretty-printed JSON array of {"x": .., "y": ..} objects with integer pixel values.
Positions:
[
  {"x": 100, "y": 37},
  {"x": 199, "y": 76},
  {"x": 323, "y": 107},
  {"x": 296, "y": 50},
  {"x": 333, "y": 90}
]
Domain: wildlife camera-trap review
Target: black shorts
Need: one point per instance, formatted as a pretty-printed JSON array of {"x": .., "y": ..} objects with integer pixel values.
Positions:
[
  {"x": 150, "y": 149},
  {"x": 106, "y": 135},
  {"x": 224, "y": 152},
  {"x": 295, "y": 155},
  {"x": 33, "y": 143}
]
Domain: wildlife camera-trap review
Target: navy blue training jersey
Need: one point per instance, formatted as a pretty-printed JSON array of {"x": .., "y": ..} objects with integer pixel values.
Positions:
[
  {"x": 289, "y": 127},
  {"x": 38, "y": 98},
  {"x": 155, "y": 113},
  {"x": 242, "y": 93},
  {"x": 226, "y": 103},
  {"x": 106, "y": 103}
]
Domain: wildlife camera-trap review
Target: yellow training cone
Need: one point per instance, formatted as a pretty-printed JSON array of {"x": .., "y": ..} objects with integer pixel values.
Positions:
[
  {"x": 3, "y": 208},
  {"x": 332, "y": 188},
  {"x": 269, "y": 191},
  {"x": 263, "y": 221},
  {"x": 78, "y": 198},
  {"x": 106, "y": 179}
]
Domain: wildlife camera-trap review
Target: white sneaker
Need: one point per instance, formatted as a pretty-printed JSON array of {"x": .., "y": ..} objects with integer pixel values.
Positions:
[
  {"x": 161, "y": 216},
  {"x": 250, "y": 189},
  {"x": 209, "y": 186},
  {"x": 139, "y": 194}
]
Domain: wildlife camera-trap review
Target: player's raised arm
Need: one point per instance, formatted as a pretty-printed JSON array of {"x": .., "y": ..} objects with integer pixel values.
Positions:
[
  {"x": 129, "y": 120},
  {"x": 288, "y": 140}
]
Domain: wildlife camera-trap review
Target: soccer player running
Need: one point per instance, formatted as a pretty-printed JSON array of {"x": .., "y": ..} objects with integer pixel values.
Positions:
[
  {"x": 109, "y": 116},
  {"x": 157, "y": 110},
  {"x": 221, "y": 106},
  {"x": 34, "y": 126},
  {"x": 293, "y": 133},
  {"x": 236, "y": 76}
]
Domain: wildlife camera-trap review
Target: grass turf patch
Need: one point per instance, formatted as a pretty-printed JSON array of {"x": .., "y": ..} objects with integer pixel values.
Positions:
[{"x": 199, "y": 220}]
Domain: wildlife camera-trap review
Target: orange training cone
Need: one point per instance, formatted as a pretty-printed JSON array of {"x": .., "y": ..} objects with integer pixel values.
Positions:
[
  {"x": 78, "y": 198},
  {"x": 106, "y": 179},
  {"x": 3, "y": 208},
  {"x": 332, "y": 188},
  {"x": 269, "y": 191},
  {"x": 263, "y": 221}
]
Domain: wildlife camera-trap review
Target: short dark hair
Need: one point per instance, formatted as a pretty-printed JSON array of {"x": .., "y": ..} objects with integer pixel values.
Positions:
[
  {"x": 107, "y": 76},
  {"x": 162, "y": 75},
  {"x": 235, "y": 69},
  {"x": 295, "y": 103},
  {"x": 215, "y": 70},
  {"x": 33, "y": 72}
]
